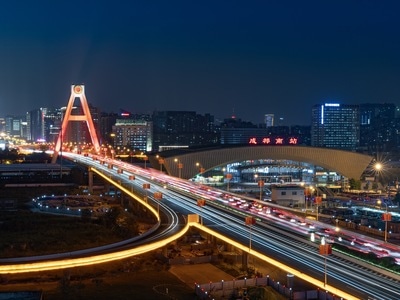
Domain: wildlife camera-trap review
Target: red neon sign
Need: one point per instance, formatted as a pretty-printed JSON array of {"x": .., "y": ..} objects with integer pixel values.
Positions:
[{"x": 274, "y": 141}]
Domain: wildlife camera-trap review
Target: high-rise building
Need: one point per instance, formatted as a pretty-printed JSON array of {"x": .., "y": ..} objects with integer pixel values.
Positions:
[
  {"x": 378, "y": 127},
  {"x": 303, "y": 133},
  {"x": 335, "y": 125},
  {"x": 14, "y": 126},
  {"x": 36, "y": 125},
  {"x": 136, "y": 134},
  {"x": 269, "y": 120},
  {"x": 106, "y": 123},
  {"x": 183, "y": 128},
  {"x": 52, "y": 123}
]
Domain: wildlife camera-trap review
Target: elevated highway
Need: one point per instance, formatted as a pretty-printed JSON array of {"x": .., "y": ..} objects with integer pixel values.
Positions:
[{"x": 270, "y": 239}]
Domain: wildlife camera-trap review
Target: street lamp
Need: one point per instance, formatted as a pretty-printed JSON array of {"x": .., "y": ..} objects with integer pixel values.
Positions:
[
  {"x": 378, "y": 167},
  {"x": 201, "y": 203},
  {"x": 386, "y": 217},
  {"x": 250, "y": 221},
  {"x": 261, "y": 185},
  {"x": 201, "y": 169},
  {"x": 145, "y": 159},
  {"x": 161, "y": 161},
  {"x": 325, "y": 249},
  {"x": 180, "y": 167},
  {"x": 158, "y": 196},
  {"x": 318, "y": 201},
  {"x": 146, "y": 186},
  {"x": 228, "y": 179}
]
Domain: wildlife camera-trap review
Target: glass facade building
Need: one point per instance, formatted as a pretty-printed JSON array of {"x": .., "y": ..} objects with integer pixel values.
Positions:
[{"x": 335, "y": 125}]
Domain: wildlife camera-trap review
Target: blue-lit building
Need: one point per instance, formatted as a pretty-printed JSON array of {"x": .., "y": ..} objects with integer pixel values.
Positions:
[{"x": 335, "y": 125}]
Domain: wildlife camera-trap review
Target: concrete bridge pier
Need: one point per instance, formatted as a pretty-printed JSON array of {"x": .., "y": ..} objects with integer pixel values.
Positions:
[
  {"x": 245, "y": 260},
  {"x": 90, "y": 183}
]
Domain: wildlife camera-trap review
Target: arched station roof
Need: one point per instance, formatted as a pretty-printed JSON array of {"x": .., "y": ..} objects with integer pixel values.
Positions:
[{"x": 346, "y": 163}]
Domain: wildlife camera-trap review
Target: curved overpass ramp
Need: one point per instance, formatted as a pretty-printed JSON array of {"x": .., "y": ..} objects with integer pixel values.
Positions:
[{"x": 346, "y": 163}]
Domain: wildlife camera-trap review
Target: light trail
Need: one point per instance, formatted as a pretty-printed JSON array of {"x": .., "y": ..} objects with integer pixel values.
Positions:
[
  {"x": 92, "y": 260},
  {"x": 194, "y": 191}
]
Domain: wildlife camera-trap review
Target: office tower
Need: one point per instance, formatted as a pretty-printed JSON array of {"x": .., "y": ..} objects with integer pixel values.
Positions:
[
  {"x": 36, "y": 125},
  {"x": 335, "y": 125},
  {"x": 303, "y": 133},
  {"x": 269, "y": 120},
  {"x": 183, "y": 129},
  {"x": 134, "y": 133},
  {"x": 14, "y": 126},
  {"x": 106, "y": 123},
  {"x": 378, "y": 128},
  {"x": 52, "y": 123}
]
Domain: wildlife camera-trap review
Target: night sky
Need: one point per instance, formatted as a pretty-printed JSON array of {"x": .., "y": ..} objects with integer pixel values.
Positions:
[{"x": 246, "y": 58}]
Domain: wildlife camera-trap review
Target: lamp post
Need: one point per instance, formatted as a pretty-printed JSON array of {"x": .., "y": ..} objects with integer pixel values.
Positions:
[
  {"x": 377, "y": 168},
  {"x": 201, "y": 203},
  {"x": 228, "y": 179},
  {"x": 386, "y": 217},
  {"x": 201, "y": 169},
  {"x": 318, "y": 201},
  {"x": 161, "y": 161},
  {"x": 180, "y": 167},
  {"x": 146, "y": 186},
  {"x": 325, "y": 249},
  {"x": 158, "y": 196},
  {"x": 145, "y": 159},
  {"x": 250, "y": 221},
  {"x": 261, "y": 185}
]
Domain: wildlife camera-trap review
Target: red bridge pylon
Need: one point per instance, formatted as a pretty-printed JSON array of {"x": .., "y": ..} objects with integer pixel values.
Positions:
[{"x": 77, "y": 91}]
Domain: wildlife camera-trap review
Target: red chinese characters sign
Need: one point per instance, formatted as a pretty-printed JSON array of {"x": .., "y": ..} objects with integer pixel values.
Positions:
[{"x": 274, "y": 141}]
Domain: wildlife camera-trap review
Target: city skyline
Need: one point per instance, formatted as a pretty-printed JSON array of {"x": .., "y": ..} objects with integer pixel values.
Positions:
[{"x": 261, "y": 58}]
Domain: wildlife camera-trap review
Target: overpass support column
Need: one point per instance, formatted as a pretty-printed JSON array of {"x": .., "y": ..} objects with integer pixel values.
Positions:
[
  {"x": 90, "y": 183},
  {"x": 230, "y": 248},
  {"x": 245, "y": 258},
  {"x": 165, "y": 251}
]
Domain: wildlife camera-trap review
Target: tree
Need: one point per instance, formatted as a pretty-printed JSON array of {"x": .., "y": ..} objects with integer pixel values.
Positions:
[{"x": 354, "y": 184}]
